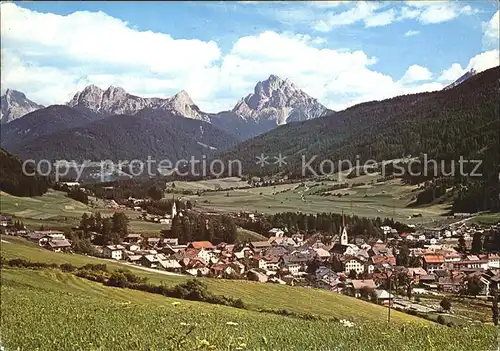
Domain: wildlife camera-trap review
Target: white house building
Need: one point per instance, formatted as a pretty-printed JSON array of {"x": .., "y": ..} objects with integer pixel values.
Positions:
[{"x": 113, "y": 251}]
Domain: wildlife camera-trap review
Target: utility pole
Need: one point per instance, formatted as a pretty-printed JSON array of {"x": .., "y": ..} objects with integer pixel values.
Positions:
[{"x": 389, "y": 278}]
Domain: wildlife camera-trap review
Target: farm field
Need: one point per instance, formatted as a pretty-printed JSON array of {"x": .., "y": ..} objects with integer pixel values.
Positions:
[
  {"x": 487, "y": 218},
  {"x": 64, "y": 308},
  {"x": 53, "y": 204},
  {"x": 210, "y": 184},
  {"x": 54, "y": 210},
  {"x": 385, "y": 199},
  {"x": 255, "y": 295}
]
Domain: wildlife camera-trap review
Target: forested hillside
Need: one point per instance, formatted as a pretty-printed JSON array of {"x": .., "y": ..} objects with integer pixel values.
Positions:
[
  {"x": 158, "y": 134},
  {"x": 14, "y": 182},
  {"x": 445, "y": 125}
]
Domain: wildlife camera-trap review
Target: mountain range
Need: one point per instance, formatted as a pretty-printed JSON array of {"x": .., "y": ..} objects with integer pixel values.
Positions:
[
  {"x": 101, "y": 124},
  {"x": 274, "y": 102},
  {"x": 112, "y": 124}
]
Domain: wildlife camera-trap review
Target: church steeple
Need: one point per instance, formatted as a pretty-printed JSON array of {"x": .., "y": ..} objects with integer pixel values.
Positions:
[
  {"x": 344, "y": 239},
  {"x": 174, "y": 207}
]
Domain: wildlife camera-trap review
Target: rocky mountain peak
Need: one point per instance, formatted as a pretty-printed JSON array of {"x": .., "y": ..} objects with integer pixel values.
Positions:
[
  {"x": 15, "y": 104},
  {"x": 183, "y": 97},
  {"x": 279, "y": 100},
  {"x": 470, "y": 73},
  {"x": 14, "y": 94},
  {"x": 116, "y": 101}
]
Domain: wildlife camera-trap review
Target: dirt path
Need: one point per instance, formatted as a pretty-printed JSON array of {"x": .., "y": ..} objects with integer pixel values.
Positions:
[{"x": 152, "y": 270}]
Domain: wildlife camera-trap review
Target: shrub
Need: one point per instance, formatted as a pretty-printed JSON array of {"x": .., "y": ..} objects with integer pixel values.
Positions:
[
  {"x": 18, "y": 262},
  {"x": 441, "y": 320},
  {"x": 193, "y": 289},
  {"x": 118, "y": 279},
  {"x": 95, "y": 267},
  {"x": 445, "y": 304},
  {"x": 131, "y": 277},
  {"x": 95, "y": 276},
  {"x": 67, "y": 267}
]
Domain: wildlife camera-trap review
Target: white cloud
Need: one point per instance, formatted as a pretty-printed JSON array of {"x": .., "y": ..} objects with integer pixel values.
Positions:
[
  {"x": 479, "y": 63},
  {"x": 93, "y": 39},
  {"x": 409, "y": 13},
  {"x": 485, "y": 60},
  {"x": 50, "y": 57},
  {"x": 411, "y": 33},
  {"x": 425, "y": 12},
  {"x": 452, "y": 73},
  {"x": 492, "y": 31},
  {"x": 432, "y": 12},
  {"x": 381, "y": 18},
  {"x": 362, "y": 11},
  {"x": 326, "y": 4},
  {"x": 416, "y": 73}
]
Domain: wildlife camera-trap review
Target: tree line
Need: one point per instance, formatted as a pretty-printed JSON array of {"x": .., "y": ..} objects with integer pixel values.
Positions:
[
  {"x": 193, "y": 226},
  {"x": 328, "y": 223}
]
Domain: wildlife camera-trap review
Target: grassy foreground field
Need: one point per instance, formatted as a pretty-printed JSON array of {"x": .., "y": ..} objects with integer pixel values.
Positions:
[
  {"x": 69, "y": 313},
  {"x": 256, "y": 295},
  {"x": 64, "y": 308}
]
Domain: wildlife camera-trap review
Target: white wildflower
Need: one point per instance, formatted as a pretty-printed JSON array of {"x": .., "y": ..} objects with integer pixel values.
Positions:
[{"x": 231, "y": 323}]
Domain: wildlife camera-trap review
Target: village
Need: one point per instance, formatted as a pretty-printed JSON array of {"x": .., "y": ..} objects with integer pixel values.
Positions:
[{"x": 387, "y": 272}]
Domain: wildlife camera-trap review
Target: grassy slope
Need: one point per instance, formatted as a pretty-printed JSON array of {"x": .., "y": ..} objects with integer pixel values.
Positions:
[
  {"x": 54, "y": 210},
  {"x": 256, "y": 295},
  {"x": 245, "y": 234},
  {"x": 51, "y": 204},
  {"x": 63, "y": 309},
  {"x": 487, "y": 218},
  {"x": 386, "y": 199}
]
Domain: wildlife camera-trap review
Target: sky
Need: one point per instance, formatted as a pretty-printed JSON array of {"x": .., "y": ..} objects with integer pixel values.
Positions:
[{"x": 340, "y": 52}]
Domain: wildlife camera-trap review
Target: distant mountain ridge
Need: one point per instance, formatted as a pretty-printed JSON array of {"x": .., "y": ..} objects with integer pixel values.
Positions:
[
  {"x": 472, "y": 72},
  {"x": 15, "y": 104},
  {"x": 274, "y": 102},
  {"x": 158, "y": 134},
  {"x": 45, "y": 121},
  {"x": 116, "y": 101}
]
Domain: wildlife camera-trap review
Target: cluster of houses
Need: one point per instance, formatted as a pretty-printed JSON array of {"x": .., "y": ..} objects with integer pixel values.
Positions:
[
  {"x": 50, "y": 239},
  {"x": 334, "y": 265}
]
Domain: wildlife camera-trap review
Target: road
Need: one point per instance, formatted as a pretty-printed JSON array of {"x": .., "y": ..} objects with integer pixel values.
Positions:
[
  {"x": 152, "y": 270},
  {"x": 412, "y": 306}
]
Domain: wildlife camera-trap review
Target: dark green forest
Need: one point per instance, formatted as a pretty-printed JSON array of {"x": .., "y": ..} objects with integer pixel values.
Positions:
[
  {"x": 444, "y": 125},
  {"x": 13, "y": 181}
]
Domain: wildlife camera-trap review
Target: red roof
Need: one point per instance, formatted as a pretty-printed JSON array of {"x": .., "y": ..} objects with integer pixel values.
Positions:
[
  {"x": 433, "y": 259},
  {"x": 381, "y": 259},
  {"x": 201, "y": 245}
]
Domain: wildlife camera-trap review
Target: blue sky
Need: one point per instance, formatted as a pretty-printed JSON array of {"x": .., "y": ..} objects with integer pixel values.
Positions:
[{"x": 339, "y": 52}]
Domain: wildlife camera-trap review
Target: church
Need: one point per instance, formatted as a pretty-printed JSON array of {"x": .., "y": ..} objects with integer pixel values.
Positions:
[{"x": 343, "y": 247}]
